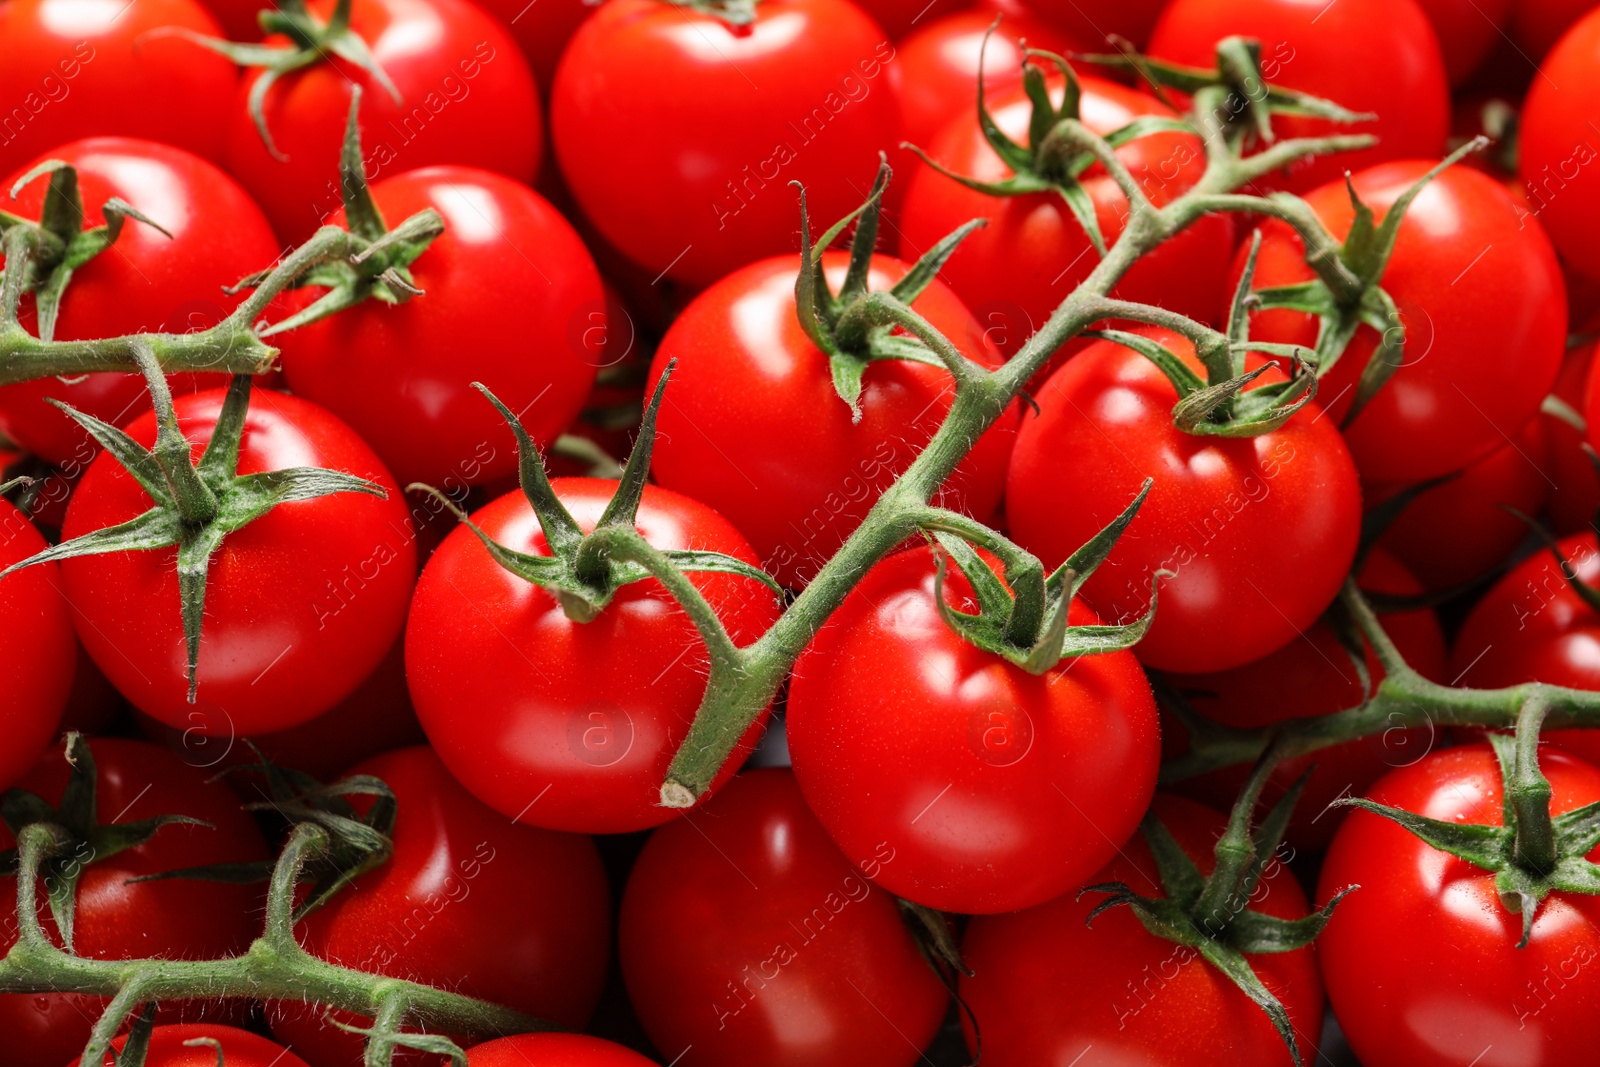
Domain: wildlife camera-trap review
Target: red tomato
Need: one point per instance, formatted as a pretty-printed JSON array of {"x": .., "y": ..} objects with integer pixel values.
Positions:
[
  {"x": 169, "y": 1047},
  {"x": 745, "y": 365},
  {"x": 146, "y": 282},
  {"x": 402, "y": 375},
  {"x": 1556, "y": 147},
  {"x": 1422, "y": 965},
  {"x": 79, "y": 68},
  {"x": 466, "y": 96},
  {"x": 1033, "y": 253},
  {"x": 901, "y": 17},
  {"x": 1136, "y": 998},
  {"x": 1531, "y": 627},
  {"x": 437, "y": 911},
  {"x": 1536, "y": 25},
  {"x": 1474, "y": 284},
  {"x": 748, "y": 938},
  {"x": 804, "y": 93},
  {"x": 1576, "y": 495},
  {"x": 553, "y": 1050},
  {"x": 122, "y": 919},
  {"x": 1215, "y": 518},
  {"x": 36, "y": 632},
  {"x": 1468, "y": 30},
  {"x": 1308, "y": 47},
  {"x": 1303, "y": 679},
  {"x": 1093, "y": 21},
  {"x": 301, "y": 605},
  {"x": 1428, "y": 536},
  {"x": 542, "y": 30},
  {"x": 239, "y": 19},
  {"x": 576, "y": 729},
  {"x": 996, "y": 789}
]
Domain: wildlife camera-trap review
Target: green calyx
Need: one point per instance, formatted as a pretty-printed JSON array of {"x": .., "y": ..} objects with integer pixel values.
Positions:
[
  {"x": 311, "y": 41},
  {"x": 1024, "y": 618},
  {"x": 1212, "y": 915},
  {"x": 195, "y": 505},
  {"x": 736, "y": 13},
  {"x": 584, "y": 571},
  {"x": 57, "y": 245},
  {"x": 859, "y": 326},
  {"x": 78, "y": 838}
]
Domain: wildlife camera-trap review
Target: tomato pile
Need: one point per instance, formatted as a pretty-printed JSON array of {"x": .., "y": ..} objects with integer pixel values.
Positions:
[{"x": 799, "y": 533}]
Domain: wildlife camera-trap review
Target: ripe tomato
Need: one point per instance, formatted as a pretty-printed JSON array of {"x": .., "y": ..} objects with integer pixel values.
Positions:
[
  {"x": 122, "y": 919},
  {"x": 898, "y": 18},
  {"x": 1422, "y": 965},
  {"x": 169, "y": 1047},
  {"x": 1556, "y": 148},
  {"x": 1215, "y": 518},
  {"x": 553, "y": 1050},
  {"x": 1093, "y": 21},
  {"x": 1576, "y": 495},
  {"x": 996, "y": 789},
  {"x": 437, "y": 911},
  {"x": 36, "y": 632},
  {"x": 745, "y": 365},
  {"x": 1033, "y": 253},
  {"x": 747, "y": 937},
  {"x": 542, "y": 31},
  {"x": 1136, "y": 997},
  {"x": 1531, "y": 627},
  {"x": 1467, "y": 31},
  {"x": 804, "y": 93},
  {"x": 1428, "y": 535},
  {"x": 1474, "y": 281},
  {"x": 402, "y": 375},
  {"x": 71, "y": 69},
  {"x": 466, "y": 97},
  {"x": 1305, "y": 678},
  {"x": 146, "y": 282},
  {"x": 575, "y": 730},
  {"x": 1307, "y": 46},
  {"x": 301, "y": 605}
]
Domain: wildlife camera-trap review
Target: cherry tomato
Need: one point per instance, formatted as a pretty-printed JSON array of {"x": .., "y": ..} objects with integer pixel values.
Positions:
[
  {"x": 301, "y": 605},
  {"x": 145, "y": 282},
  {"x": 1421, "y": 963},
  {"x": 1531, "y": 627},
  {"x": 1474, "y": 281},
  {"x": 804, "y": 93},
  {"x": 1305, "y": 678},
  {"x": 1136, "y": 998},
  {"x": 402, "y": 376},
  {"x": 1556, "y": 148},
  {"x": 995, "y": 788},
  {"x": 1576, "y": 495},
  {"x": 169, "y": 1047},
  {"x": 36, "y": 632},
  {"x": 1468, "y": 30},
  {"x": 438, "y": 910},
  {"x": 575, "y": 727},
  {"x": 466, "y": 97},
  {"x": 1308, "y": 47},
  {"x": 745, "y": 365},
  {"x": 71, "y": 69},
  {"x": 747, "y": 937},
  {"x": 1033, "y": 252},
  {"x": 122, "y": 919},
  {"x": 553, "y": 1050},
  {"x": 1215, "y": 518}
]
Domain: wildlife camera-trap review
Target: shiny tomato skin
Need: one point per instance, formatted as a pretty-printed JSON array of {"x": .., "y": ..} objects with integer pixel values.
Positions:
[
  {"x": 1421, "y": 963},
  {"x": 507, "y": 290},
  {"x": 1556, "y": 147},
  {"x": 467, "y": 869},
  {"x": 169, "y": 1047},
  {"x": 747, "y": 937},
  {"x": 71, "y": 69},
  {"x": 553, "y": 1050},
  {"x": 146, "y": 282},
  {"x": 301, "y": 605},
  {"x": 1576, "y": 495},
  {"x": 466, "y": 97},
  {"x": 1307, "y": 46},
  {"x": 1531, "y": 627},
  {"x": 1312, "y": 676},
  {"x": 746, "y": 366},
  {"x": 804, "y": 93},
  {"x": 575, "y": 732},
  {"x": 1136, "y": 998},
  {"x": 1215, "y": 517},
  {"x": 121, "y": 919},
  {"x": 36, "y": 631},
  {"x": 1032, "y": 254},
  {"x": 996, "y": 788},
  {"x": 1482, "y": 300}
]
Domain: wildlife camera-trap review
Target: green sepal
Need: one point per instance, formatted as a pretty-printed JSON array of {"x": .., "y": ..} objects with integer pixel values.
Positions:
[
  {"x": 1481, "y": 846},
  {"x": 1254, "y": 934},
  {"x": 1232, "y": 963},
  {"x": 432, "y": 1044}
]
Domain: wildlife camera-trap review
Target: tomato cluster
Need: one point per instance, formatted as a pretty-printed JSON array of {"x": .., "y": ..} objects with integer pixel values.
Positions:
[{"x": 482, "y": 579}]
